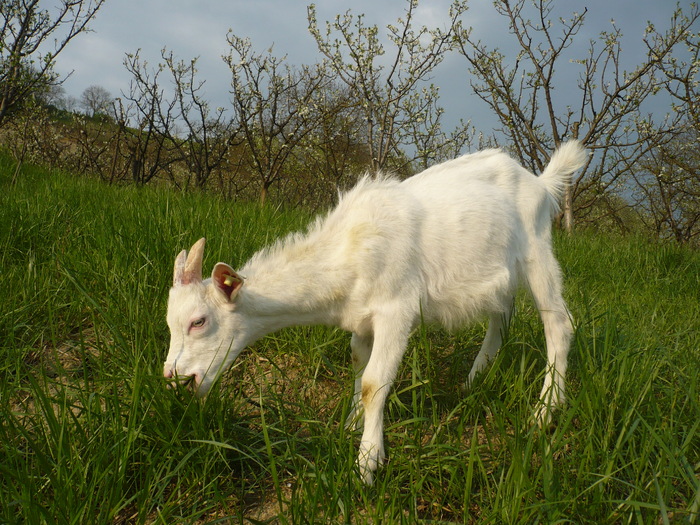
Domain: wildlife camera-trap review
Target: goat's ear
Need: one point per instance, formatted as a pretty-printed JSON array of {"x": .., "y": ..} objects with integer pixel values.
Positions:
[
  {"x": 188, "y": 266},
  {"x": 226, "y": 280}
]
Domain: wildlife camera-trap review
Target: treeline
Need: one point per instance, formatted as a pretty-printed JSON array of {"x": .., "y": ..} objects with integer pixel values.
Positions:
[{"x": 299, "y": 133}]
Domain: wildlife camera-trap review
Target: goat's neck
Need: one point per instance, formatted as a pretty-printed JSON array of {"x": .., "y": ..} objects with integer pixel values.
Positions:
[{"x": 287, "y": 292}]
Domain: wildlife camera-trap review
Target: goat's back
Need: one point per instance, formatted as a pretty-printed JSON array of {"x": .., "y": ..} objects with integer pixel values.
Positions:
[{"x": 448, "y": 240}]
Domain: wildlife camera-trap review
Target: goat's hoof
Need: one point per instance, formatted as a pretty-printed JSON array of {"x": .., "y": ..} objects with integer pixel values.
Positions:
[
  {"x": 367, "y": 477},
  {"x": 368, "y": 463},
  {"x": 543, "y": 419},
  {"x": 473, "y": 376},
  {"x": 367, "y": 471}
]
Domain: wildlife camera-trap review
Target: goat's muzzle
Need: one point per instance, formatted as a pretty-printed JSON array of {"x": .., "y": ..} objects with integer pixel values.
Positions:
[{"x": 181, "y": 381}]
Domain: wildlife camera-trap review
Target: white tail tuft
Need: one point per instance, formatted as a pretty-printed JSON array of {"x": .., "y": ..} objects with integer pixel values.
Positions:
[{"x": 556, "y": 176}]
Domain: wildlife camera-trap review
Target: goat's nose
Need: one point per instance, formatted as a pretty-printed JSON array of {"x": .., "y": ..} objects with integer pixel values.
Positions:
[{"x": 169, "y": 372}]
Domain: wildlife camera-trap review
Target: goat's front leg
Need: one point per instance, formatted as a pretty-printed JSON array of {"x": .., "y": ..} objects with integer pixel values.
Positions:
[
  {"x": 361, "y": 349},
  {"x": 390, "y": 340}
]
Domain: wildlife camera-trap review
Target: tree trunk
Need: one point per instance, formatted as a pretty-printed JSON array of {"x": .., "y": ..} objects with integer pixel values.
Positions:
[
  {"x": 568, "y": 210},
  {"x": 263, "y": 195}
]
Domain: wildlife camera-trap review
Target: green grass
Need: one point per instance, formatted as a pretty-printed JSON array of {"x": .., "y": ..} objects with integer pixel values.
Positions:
[{"x": 90, "y": 434}]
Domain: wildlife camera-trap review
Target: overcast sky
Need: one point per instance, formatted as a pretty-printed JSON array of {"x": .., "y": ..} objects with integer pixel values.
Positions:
[{"x": 198, "y": 29}]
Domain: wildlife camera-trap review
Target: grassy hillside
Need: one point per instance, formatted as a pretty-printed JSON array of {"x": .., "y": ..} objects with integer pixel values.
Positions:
[{"x": 90, "y": 434}]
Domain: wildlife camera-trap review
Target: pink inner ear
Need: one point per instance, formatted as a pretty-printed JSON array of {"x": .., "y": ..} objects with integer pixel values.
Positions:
[
  {"x": 227, "y": 280},
  {"x": 229, "y": 284}
]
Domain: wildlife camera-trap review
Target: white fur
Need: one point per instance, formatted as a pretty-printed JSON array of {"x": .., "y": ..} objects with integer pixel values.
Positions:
[{"x": 448, "y": 244}]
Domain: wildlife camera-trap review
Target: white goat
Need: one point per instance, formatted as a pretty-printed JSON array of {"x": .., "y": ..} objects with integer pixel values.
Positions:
[{"x": 445, "y": 245}]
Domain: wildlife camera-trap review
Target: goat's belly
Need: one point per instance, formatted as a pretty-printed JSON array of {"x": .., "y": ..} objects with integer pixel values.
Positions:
[{"x": 457, "y": 303}]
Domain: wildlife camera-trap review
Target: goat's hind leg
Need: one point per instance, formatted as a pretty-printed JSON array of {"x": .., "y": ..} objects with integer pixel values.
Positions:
[
  {"x": 498, "y": 325},
  {"x": 545, "y": 283},
  {"x": 361, "y": 350}
]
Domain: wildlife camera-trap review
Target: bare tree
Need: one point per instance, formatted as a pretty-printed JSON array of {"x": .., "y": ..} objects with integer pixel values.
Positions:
[
  {"x": 96, "y": 100},
  {"x": 96, "y": 147},
  {"x": 668, "y": 189},
  {"x": 146, "y": 121},
  {"x": 387, "y": 90},
  {"x": 55, "y": 96},
  {"x": 430, "y": 144},
  {"x": 25, "y": 28},
  {"x": 336, "y": 154},
  {"x": 667, "y": 177},
  {"x": 680, "y": 79},
  {"x": 24, "y": 134},
  {"x": 603, "y": 109},
  {"x": 274, "y": 107},
  {"x": 209, "y": 134}
]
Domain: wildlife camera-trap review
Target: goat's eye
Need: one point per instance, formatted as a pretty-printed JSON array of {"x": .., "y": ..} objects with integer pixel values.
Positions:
[{"x": 198, "y": 323}]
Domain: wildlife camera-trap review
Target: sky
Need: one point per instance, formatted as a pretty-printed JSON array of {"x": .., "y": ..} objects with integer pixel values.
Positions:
[{"x": 198, "y": 29}]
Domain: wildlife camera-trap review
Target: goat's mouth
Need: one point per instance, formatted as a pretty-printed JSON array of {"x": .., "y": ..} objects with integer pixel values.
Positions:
[{"x": 188, "y": 382}]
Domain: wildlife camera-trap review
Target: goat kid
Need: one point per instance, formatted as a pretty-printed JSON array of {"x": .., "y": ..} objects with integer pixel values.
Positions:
[{"x": 446, "y": 245}]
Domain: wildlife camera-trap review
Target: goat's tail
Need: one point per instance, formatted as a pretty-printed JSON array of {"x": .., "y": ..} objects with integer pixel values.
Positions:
[{"x": 556, "y": 176}]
